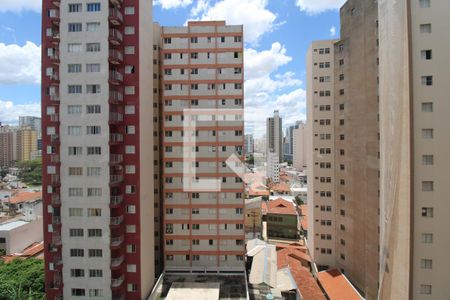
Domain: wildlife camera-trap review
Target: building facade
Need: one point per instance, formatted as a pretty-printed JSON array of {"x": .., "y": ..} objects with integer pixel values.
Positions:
[
  {"x": 299, "y": 146},
  {"x": 273, "y": 167},
  {"x": 202, "y": 142},
  {"x": 26, "y": 143},
  {"x": 414, "y": 146},
  {"x": 249, "y": 144},
  {"x": 97, "y": 166},
  {"x": 31, "y": 122},
  {"x": 274, "y": 135}
]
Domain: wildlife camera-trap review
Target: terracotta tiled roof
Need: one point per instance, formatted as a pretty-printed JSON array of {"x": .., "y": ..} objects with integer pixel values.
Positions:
[
  {"x": 21, "y": 197},
  {"x": 282, "y": 207},
  {"x": 34, "y": 250},
  {"x": 337, "y": 286},
  {"x": 264, "y": 208},
  {"x": 281, "y": 187},
  {"x": 258, "y": 192},
  {"x": 298, "y": 262}
]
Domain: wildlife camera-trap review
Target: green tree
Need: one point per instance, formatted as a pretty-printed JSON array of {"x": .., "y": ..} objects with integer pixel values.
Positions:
[
  {"x": 299, "y": 200},
  {"x": 22, "y": 279},
  {"x": 30, "y": 172}
]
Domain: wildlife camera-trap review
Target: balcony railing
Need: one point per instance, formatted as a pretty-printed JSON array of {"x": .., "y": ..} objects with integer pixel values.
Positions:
[
  {"x": 115, "y": 56},
  {"x": 115, "y": 138},
  {"x": 54, "y": 97},
  {"x": 115, "y": 262},
  {"x": 54, "y": 76},
  {"x": 116, "y": 158},
  {"x": 56, "y": 200},
  {"x": 116, "y": 220},
  {"x": 115, "y": 77},
  {"x": 118, "y": 296},
  {"x": 115, "y": 117},
  {"x": 55, "y": 180},
  {"x": 53, "y": 14},
  {"x": 56, "y": 3},
  {"x": 56, "y": 220},
  {"x": 56, "y": 239},
  {"x": 54, "y": 138},
  {"x": 115, "y": 179},
  {"x": 57, "y": 260},
  {"x": 115, "y": 16},
  {"x": 116, "y": 200},
  {"x": 54, "y": 118},
  {"x": 116, "y": 282},
  {"x": 116, "y": 241},
  {"x": 54, "y": 57},
  {"x": 115, "y": 36},
  {"x": 116, "y": 2},
  {"x": 115, "y": 96},
  {"x": 54, "y": 158}
]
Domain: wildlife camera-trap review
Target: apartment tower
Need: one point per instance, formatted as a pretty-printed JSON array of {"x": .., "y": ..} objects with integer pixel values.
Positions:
[
  {"x": 97, "y": 141},
  {"x": 26, "y": 143},
  {"x": 344, "y": 175},
  {"x": 414, "y": 149},
  {"x": 299, "y": 146},
  {"x": 274, "y": 135},
  {"x": 202, "y": 145}
]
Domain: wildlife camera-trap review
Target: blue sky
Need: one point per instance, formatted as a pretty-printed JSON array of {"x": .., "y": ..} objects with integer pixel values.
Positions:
[{"x": 277, "y": 36}]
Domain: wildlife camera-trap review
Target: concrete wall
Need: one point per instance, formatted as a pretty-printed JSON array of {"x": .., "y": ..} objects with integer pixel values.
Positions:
[{"x": 19, "y": 238}]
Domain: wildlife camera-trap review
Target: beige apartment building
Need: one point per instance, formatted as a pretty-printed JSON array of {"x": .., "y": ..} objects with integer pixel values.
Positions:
[
  {"x": 343, "y": 177},
  {"x": 26, "y": 143},
  {"x": 415, "y": 142},
  {"x": 202, "y": 126}
]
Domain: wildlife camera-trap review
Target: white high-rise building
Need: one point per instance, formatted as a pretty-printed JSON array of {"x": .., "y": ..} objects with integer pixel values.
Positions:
[
  {"x": 273, "y": 167},
  {"x": 274, "y": 135},
  {"x": 299, "y": 146}
]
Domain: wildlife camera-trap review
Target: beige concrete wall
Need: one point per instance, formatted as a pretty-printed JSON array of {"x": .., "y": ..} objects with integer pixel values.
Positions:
[{"x": 356, "y": 133}]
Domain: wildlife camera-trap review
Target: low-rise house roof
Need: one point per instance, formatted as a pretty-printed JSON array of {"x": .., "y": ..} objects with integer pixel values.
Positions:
[
  {"x": 282, "y": 207},
  {"x": 337, "y": 286},
  {"x": 22, "y": 197}
]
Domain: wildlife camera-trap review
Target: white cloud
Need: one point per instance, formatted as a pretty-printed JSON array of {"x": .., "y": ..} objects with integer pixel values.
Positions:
[
  {"x": 169, "y": 4},
  {"x": 20, "y": 5},
  {"x": 10, "y": 112},
  {"x": 253, "y": 14},
  {"x": 266, "y": 89},
  {"x": 333, "y": 31},
  {"x": 20, "y": 64},
  {"x": 318, "y": 6}
]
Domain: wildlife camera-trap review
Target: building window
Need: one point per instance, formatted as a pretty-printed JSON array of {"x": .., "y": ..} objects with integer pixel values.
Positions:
[
  {"x": 75, "y": 212},
  {"x": 94, "y": 232},
  {"x": 95, "y": 293},
  {"x": 427, "y": 212},
  {"x": 93, "y": 109},
  {"x": 425, "y": 289},
  {"x": 426, "y": 263},
  {"x": 75, "y": 192},
  {"x": 94, "y": 192},
  {"x": 94, "y": 212},
  {"x": 424, "y": 3},
  {"x": 92, "y": 7},
  {"x": 95, "y": 273},
  {"x": 427, "y": 107},
  {"x": 129, "y": 30},
  {"x": 427, "y": 160},
  {"x": 427, "y": 186},
  {"x": 74, "y": 131},
  {"x": 75, "y": 171},
  {"x": 93, "y": 130},
  {"x": 93, "y": 26},
  {"x": 74, "y": 109},
  {"x": 426, "y": 54},
  {"x": 95, "y": 253},
  {"x": 94, "y": 150},
  {"x": 427, "y": 238},
  {"x": 92, "y": 68},
  {"x": 93, "y": 47},
  {"x": 76, "y": 273},
  {"x": 74, "y": 89},
  {"x": 425, "y": 28},
  {"x": 77, "y": 7},
  {"x": 76, "y": 252},
  {"x": 78, "y": 292},
  {"x": 129, "y": 50},
  {"x": 76, "y": 232},
  {"x": 74, "y": 68},
  {"x": 427, "y": 80},
  {"x": 75, "y": 27},
  {"x": 427, "y": 133},
  {"x": 129, "y": 10}
]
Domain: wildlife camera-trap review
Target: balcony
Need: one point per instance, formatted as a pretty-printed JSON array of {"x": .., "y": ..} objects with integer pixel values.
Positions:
[
  {"x": 54, "y": 139},
  {"x": 55, "y": 180},
  {"x": 54, "y": 97},
  {"x": 115, "y": 37},
  {"x": 116, "y": 158},
  {"x": 57, "y": 260},
  {"x": 115, "y": 138},
  {"x": 115, "y": 56},
  {"x": 56, "y": 220},
  {"x": 116, "y": 2},
  {"x": 116, "y": 200},
  {"x": 118, "y": 296},
  {"x": 56, "y": 3},
  {"x": 53, "y": 15},
  {"x": 54, "y": 158},
  {"x": 117, "y": 241},
  {"x": 56, "y": 239},
  {"x": 54, "y": 78},
  {"x": 117, "y": 282},
  {"x": 115, "y": 16},
  {"x": 53, "y": 35},
  {"x": 56, "y": 200},
  {"x": 116, "y": 221},
  {"x": 115, "y": 77},
  {"x": 54, "y": 57},
  {"x": 116, "y": 262},
  {"x": 115, "y": 97},
  {"x": 115, "y": 118},
  {"x": 54, "y": 118},
  {"x": 115, "y": 179}
]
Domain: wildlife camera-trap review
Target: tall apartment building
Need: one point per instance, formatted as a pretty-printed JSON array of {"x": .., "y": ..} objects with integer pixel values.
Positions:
[
  {"x": 289, "y": 143},
  {"x": 97, "y": 141},
  {"x": 249, "y": 144},
  {"x": 32, "y": 122},
  {"x": 320, "y": 161},
  {"x": 299, "y": 146},
  {"x": 273, "y": 167},
  {"x": 274, "y": 135},
  {"x": 348, "y": 174},
  {"x": 414, "y": 149},
  {"x": 202, "y": 126},
  {"x": 8, "y": 145},
  {"x": 26, "y": 142}
]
